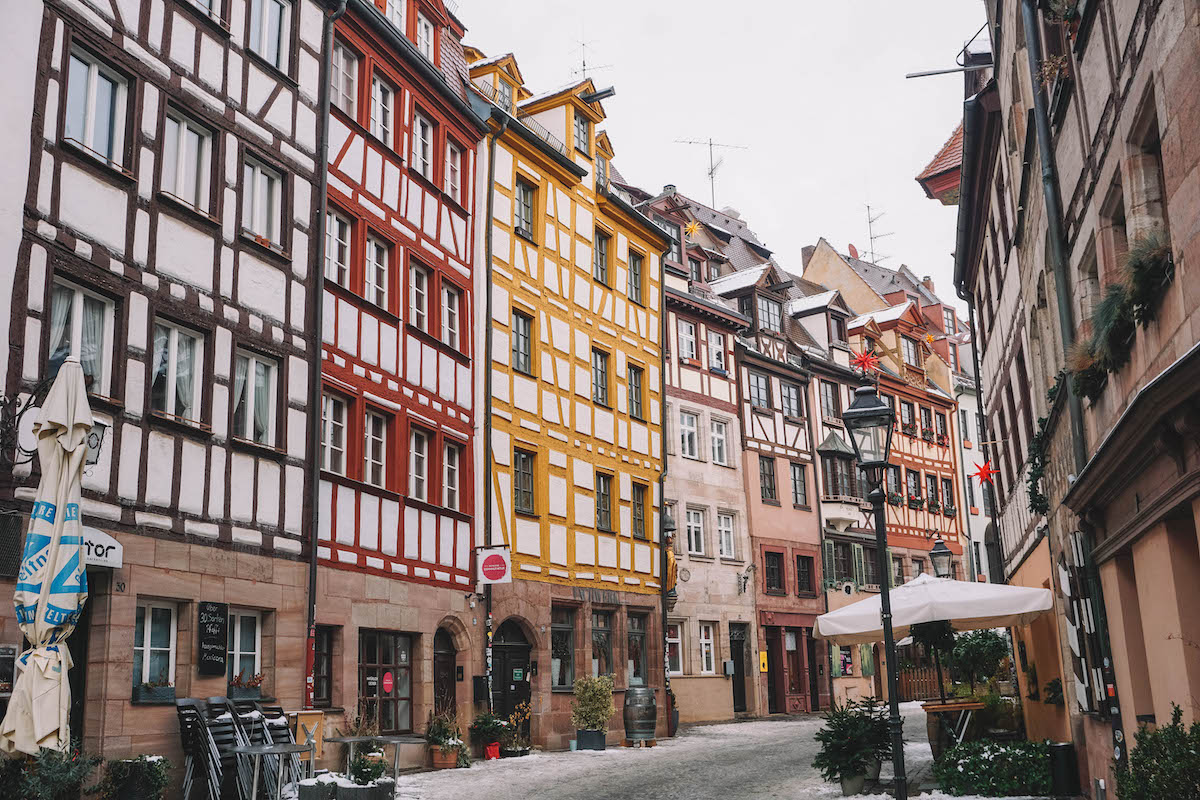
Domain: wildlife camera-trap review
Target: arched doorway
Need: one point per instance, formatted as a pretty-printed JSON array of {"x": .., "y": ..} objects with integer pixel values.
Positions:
[
  {"x": 444, "y": 667},
  {"x": 510, "y": 668}
]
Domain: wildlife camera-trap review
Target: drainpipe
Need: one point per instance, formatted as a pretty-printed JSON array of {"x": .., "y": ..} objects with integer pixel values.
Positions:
[
  {"x": 1066, "y": 321},
  {"x": 487, "y": 399},
  {"x": 985, "y": 439},
  {"x": 662, "y": 477},
  {"x": 318, "y": 301},
  {"x": 811, "y": 430}
]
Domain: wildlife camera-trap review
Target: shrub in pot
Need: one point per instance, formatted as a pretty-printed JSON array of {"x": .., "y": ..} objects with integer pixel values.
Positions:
[
  {"x": 846, "y": 748},
  {"x": 486, "y": 730},
  {"x": 141, "y": 778},
  {"x": 591, "y": 710},
  {"x": 1163, "y": 762},
  {"x": 513, "y": 741},
  {"x": 995, "y": 769},
  {"x": 876, "y": 718},
  {"x": 446, "y": 747},
  {"x": 50, "y": 775}
]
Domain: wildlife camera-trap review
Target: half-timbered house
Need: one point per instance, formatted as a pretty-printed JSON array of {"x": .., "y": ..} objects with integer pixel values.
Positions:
[{"x": 166, "y": 243}]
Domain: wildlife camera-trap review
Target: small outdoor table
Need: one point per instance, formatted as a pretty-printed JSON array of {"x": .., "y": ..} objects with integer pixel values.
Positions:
[
  {"x": 395, "y": 742},
  {"x": 260, "y": 750},
  {"x": 964, "y": 709},
  {"x": 350, "y": 741}
]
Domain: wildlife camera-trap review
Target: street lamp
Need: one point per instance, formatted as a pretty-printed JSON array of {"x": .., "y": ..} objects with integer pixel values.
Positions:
[
  {"x": 941, "y": 556},
  {"x": 870, "y": 421}
]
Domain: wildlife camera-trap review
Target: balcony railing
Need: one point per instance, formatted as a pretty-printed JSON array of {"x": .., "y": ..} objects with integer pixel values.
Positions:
[
  {"x": 1016, "y": 524},
  {"x": 489, "y": 91}
]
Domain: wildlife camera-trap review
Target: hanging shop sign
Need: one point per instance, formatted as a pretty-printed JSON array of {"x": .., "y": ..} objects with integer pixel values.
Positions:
[
  {"x": 495, "y": 565},
  {"x": 101, "y": 549}
]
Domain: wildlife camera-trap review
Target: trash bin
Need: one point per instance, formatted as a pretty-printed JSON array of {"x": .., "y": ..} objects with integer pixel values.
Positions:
[{"x": 1064, "y": 770}]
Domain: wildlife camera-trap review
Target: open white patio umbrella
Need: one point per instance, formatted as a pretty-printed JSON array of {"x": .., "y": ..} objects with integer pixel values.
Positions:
[
  {"x": 52, "y": 582},
  {"x": 968, "y": 606}
]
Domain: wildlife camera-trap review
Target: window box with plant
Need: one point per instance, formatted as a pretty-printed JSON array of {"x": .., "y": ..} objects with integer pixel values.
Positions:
[
  {"x": 591, "y": 711},
  {"x": 141, "y": 778},
  {"x": 928, "y": 435},
  {"x": 934, "y": 505},
  {"x": 943, "y": 440},
  {"x": 949, "y": 509},
  {"x": 916, "y": 502},
  {"x": 246, "y": 688},
  {"x": 895, "y": 498},
  {"x": 154, "y": 692},
  {"x": 908, "y": 428}
]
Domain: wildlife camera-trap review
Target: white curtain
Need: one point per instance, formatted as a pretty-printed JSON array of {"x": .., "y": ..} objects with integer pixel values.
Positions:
[
  {"x": 60, "y": 325},
  {"x": 262, "y": 399},
  {"x": 158, "y": 381},
  {"x": 184, "y": 351},
  {"x": 91, "y": 348},
  {"x": 239, "y": 396}
]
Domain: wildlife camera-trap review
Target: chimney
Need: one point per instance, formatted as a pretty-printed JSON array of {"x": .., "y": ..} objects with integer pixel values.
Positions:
[
  {"x": 806, "y": 255},
  {"x": 669, "y": 188},
  {"x": 731, "y": 212},
  {"x": 927, "y": 282},
  {"x": 853, "y": 251}
]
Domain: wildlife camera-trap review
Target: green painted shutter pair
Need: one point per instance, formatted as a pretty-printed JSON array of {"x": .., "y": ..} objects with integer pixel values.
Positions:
[
  {"x": 860, "y": 568},
  {"x": 866, "y": 658},
  {"x": 835, "y": 655},
  {"x": 829, "y": 579}
]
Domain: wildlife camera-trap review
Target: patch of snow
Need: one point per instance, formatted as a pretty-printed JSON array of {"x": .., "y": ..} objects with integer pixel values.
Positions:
[{"x": 738, "y": 280}]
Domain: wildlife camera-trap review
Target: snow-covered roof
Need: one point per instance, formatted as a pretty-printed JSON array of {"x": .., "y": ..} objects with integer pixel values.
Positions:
[
  {"x": 802, "y": 304},
  {"x": 738, "y": 280},
  {"x": 890, "y": 314},
  {"x": 553, "y": 92},
  {"x": 484, "y": 62}
]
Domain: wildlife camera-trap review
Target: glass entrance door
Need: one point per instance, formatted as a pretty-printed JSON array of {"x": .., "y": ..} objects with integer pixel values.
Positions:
[{"x": 385, "y": 679}]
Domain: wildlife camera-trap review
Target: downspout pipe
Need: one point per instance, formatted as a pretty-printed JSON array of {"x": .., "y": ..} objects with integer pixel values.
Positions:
[
  {"x": 1050, "y": 189},
  {"x": 810, "y": 427},
  {"x": 318, "y": 301},
  {"x": 662, "y": 479}
]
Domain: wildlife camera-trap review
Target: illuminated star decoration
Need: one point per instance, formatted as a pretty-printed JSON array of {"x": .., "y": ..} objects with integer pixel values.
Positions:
[
  {"x": 692, "y": 228},
  {"x": 867, "y": 361},
  {"x": 984, "y": 472},
  {"x": 929, "y": 338}
]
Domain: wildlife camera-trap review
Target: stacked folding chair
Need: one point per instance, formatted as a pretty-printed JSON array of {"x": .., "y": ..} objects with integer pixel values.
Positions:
[
  {"x": 227, "y": 733},
  {"x": 202, "y": 760}
]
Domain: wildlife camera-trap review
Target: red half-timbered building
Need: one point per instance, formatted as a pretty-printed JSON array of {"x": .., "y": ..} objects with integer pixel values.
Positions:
[{"x": 396, "y": 494}]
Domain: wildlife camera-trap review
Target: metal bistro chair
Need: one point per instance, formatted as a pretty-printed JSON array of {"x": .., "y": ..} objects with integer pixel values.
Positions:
[
  {"x": 275, "y": 723},
  {"x": 202, "y": 759},
  {"x": 228, "y": 733}
]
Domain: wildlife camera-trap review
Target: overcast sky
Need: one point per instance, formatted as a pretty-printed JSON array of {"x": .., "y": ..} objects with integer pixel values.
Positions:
[{"x": 815, "y": 90}]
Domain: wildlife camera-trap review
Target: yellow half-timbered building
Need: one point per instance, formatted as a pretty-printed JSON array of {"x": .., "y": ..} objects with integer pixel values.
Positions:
[{"x": 572, "y": 326}]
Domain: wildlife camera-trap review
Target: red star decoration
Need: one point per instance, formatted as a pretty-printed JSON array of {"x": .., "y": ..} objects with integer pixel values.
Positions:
[
  {"x": 984, "y": 472},
  {"x": 867, "y": 361}
]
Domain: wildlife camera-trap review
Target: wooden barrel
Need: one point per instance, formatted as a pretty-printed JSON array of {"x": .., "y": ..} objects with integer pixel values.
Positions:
[{"x": 640, "y": 712}]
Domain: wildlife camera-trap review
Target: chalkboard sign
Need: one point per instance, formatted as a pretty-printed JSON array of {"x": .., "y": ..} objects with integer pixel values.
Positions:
[{"x": 213, "y": 624}]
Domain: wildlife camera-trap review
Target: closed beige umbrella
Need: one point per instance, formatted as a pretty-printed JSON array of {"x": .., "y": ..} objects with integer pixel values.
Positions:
[{"x": 52, "y": 582}]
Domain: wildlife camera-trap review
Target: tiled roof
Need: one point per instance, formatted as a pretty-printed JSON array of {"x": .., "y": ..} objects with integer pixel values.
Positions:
[
  {"x": 948, "y": 158},
  {"x": 883, "y": 315},
  {"x": 739, "y": 280},
  {"x": 454, "y": 63}
]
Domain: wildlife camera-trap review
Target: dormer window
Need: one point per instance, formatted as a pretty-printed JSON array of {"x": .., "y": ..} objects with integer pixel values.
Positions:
[
  {"x": 770, "y": 314},
  {"x": 672, "y": 230},
  {"x": 694, "y": 269},
  {"x": 583, "y": 132},
  {"x": 506, "y": 95},
  {"x": 425, "y": 34},
  {"x": 954, "y": 365},
  {"x": 912, "y": 353},
  {"x": 601, "y": 170},
  {"x": 714, "y": 271},
  {"x": 948, "y": 320},
  {"x": 837, "y": 329},
  {"x": 395, "y": 14}
]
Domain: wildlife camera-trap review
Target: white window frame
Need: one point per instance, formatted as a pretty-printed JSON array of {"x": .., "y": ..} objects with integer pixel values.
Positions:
[
  {"x": 339, "y": 232},
  {"x": 383, "y": 109},
  {"x": 178, "y": 171},
  {"x": 100, "y": 384},
  {"x": 418, "y": 464},
  {"x": 451, "y": 475},
  {"x": 708, "y": 660},
  {"x": 376, "y": 271},
  {"x": 95, "y": 70},
  {"x": 418, "y": 297},
  {"x": 262, "y": 200},
  {"x": 174, "y": 332},
  {"x": 259, "y": 23},
  {"x": 452, "y": 298},
  {"x": 694, "y": 527},
  {"x": 235, "y": 627},
  {"x": 148, "y": 605},
  {"x": 678, "y": 641},
  {"x": 330, "y": 402},
  {"x": 716, "y": 350},
  {"x": 718, "y": 438},
  {"x": 369, "y": 438},
  {"x": 453, "y": 176},
  {"x": 948, "y": 321},
  {"x": 425, "y": 34},
  {"x": 397, "y": 14},
  {"x": 687, "y": 339},
  {"x": 689, "y": 434},
  {"x": 726, "y": 528},
  {"x": 252, "y": 361},
  {"x": 505, "y": 94},
  {"x": 422, "y": 145},
  {"x": 343, "y": 91},
  {"x": 964, "y": 423}
]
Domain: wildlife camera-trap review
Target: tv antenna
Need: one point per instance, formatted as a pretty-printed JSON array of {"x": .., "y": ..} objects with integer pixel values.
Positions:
[
  {"x": 872, "y": 235},
  {"x": 713, "y": 165},
  {"x": 584, "y": 68}
]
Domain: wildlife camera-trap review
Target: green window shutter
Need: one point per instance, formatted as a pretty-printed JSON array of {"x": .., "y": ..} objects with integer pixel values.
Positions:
[
  {"x": 835, "y": 655},
  {"x": 828, "y": 567},
  {"x": 860, "y": 570},
  {"x": 867, "y": 658}
]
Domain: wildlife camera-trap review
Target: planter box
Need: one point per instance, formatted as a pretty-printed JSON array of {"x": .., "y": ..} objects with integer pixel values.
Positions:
[
  {"x": 154, "y": 694},
  {"x": 524, "y": 751},
  {"x": 383, "y": 789},
  {"x": 244, "y": 692},
  {"x": 442, "y": 760},
  {"x": 590, "y": 740},
  {"x": 318, "y": 791}
]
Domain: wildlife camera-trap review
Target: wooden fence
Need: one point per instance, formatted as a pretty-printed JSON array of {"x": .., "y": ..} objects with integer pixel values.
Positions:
[{"x": 920, "y": 683}]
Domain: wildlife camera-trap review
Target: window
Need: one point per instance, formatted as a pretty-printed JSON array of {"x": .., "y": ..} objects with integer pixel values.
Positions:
[
  {"x": 770, "y": 314},
  {"x": 601, "y": 170},
  {"x": 244, "y": 644},
  {"x": 870, "y": 566},
  {"x": 843, "y": 566},
  {"x": 918, "y": 566},
  {"x": 695, "y": 531},
  {"x": 418, "y": 298},
  {"x": 562, "y": 647},
  {"x": 716, "y": 350},
  {"x": 947, "y": 491},
  {"x": 941, "y": 423},
  {"x": 635, "y": 277},
  {"x": 451, "y": 464},
  {"x": 837, "y": 329},
  {"x": 389, "y": 705},
  {"x": 804, "y": 574},
  {"x": 601, "y": 643},
  {"x": 725, "y": 544},
  {"x": 694, "y": 269},
  {"x": 897, "y": 570},
  {"x": 186, "y": 156},
  {"x": 718, "y": 439},
  {"x": 374, "y": 448},
  {"x": 422, "y": 146},
  {"x": 418, "y": 465},
  {"x": 375, "y": 272},
  {"x": 687, "y": 339},
  {"x": 382, "y": 102},
  {"x": 425, "y": 34},
  {"x": 337, "y": 249},
  {"x": 636, "y": 636},
  {"x": 522, "y": 343},
  {"x": 453, "y": 177},
  {"x": 523, "y": 481},
  {"x": 840, "y": 477},
  {"x": 893, "y": 479},
  {"x": 689, "y": 435},
  {"x": 583, "y": 132},
  {"x": 270, "y": 29},
  {"x": 262, "y": 200},
  {"x": 926, "y": 419},
  {"x": 907, "y": 413},
  {"x": 323, "y": 666},
  {"x": 451, "y": 304},
  {"x": 600, "y": 258},
  {"x": 674, "y": 648},
  {"x": 707, "y": 653},
  {"x": 81, "y": 326},
  {"x": 789, "y": 395},
  {"x": 254, "y": 393},
  {"x": 948, "y": 321},
  {"x": 766, "y": 477},
  {"x": 954, "y": 365},
  {"x": 333, "y": 434},
  {"x": 714, "y": 271},
  {"x": 177, "y": 371},
  {"x": 635, "y": 392},
  {"x": 95, "y": 115},
  {"x": 638, "y": 508},
  {"x": 773, "y": 572},
  {"x": 604, "y": 501},
  {"x": 396, "y": 15},
  {"x": 506, "y": 96},
  {"x": 831, "y": 401},
  {"x": 799, "y": 485},
  {"x": 913, "y": 481},
  {"x": 154, "y": 644},
  {"x": 343, "y": 91},
  {"x": 672, "y": 231},
  {"x": 912, "y": 355},
  {"x": 524, "y": 209},
  {"x": 600, "y": 377},
  {"x": 760, "y": 390}
]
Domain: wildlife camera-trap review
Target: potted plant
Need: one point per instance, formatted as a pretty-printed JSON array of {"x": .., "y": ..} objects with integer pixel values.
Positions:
[
  {"x": 486, "y": 731},
  {"x": 846, "y": 748},
  {"x": 446, "y": 747},
  {"x": 514, "y": 742},
  {"x": 249, "y": 688},
  {"x": 591, "y": 710},
  {"x": 154, "y": 692},
  {"x": 895, "y": 498},
  {"x": 141, "y": 778},
  {"x": 949, "y": 509},
  {"x": 50, "y": 775},
  {"x": 366, "y": 772},
  {"x": 909, "y": 428},
  {"x": 916, "y": 501},
  {"x": 880, "y": 735},
  {"x": 934, "y": 505}
]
